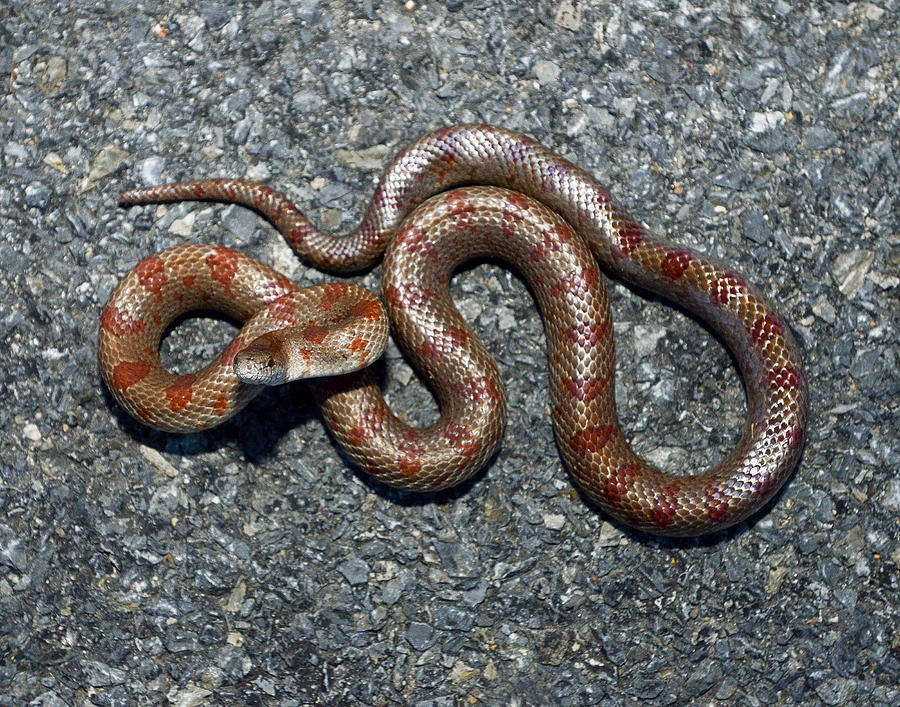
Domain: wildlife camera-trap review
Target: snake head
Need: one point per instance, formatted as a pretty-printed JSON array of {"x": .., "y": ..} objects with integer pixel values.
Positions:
[{"x": 263, "y": 362}]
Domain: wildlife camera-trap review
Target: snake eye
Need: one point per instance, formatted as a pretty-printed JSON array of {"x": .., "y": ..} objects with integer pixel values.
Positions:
[{"x": 271, "y": 362}]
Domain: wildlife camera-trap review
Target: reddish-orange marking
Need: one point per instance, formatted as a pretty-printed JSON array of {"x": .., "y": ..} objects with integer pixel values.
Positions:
[
  {"x": 261, "y": 196},
  {"x": 665, "y": 505},
  {"x": 445, "y": 342},
  {"x": 188, "y": 281},
  {"x": 513, "y": 214},
  {"x": 282, "y": 312},
  {"x": 407, "y": 296},
  {"x": 331, "y": 293},
  {"x": 462, "y": 440},
  {"x": 314, "y": 333},
  {"x": 179, "y": 393},
  {"x": 448, "y": 144},
  {"x": 283, "y": 284},
  {"x": 358, "y": 345},
  {"x": 586, "y": 336},
  {"x": 630, "y": 238},
  {"x": 151, "y": 274},
  {"x": 619, "y": 483},
  {"x": 586, "y": 389},
  {"x": 416, "y": 242},
  {"x": 298, "y": 233},
  {"x": 551, "y": 241},
  {"x": 592, "y": 439},
  {"x": 517, "y": 200},
  {"x": 369, "y": 426},
  {"x": 220, "y": 406},
  {"x": 765, "y": 328},
  {"x": 577, "y": 284},
  {"x": 787, "y": 377},
  {"x": 716, "y": 501},
  {"x": 787, "y": 433},
  {"x": 277, "y": 212},
  {"x": 458, "y": 205},
  {"x": 411, "y": 451},
  {"x": 119, "y": 322},
  {"x": 677, "y": 262},
  {"x": 223, "y": 264},
  {"x": 127, "y": 373},
  {"x": 477, "y": 389},
  {"x": 726, "y": 287},
  {"x": 366, "y": 309}
]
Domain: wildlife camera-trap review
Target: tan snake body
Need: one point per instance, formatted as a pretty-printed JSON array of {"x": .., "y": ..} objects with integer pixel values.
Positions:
[{"x": 550, "y": 244}]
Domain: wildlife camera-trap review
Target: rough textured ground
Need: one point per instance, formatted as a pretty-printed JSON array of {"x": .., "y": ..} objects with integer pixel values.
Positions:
[{"x": 252, "y": 564}]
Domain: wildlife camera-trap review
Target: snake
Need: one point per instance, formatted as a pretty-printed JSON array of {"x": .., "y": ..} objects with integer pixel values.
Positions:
[{"x": 461, "y": 193}]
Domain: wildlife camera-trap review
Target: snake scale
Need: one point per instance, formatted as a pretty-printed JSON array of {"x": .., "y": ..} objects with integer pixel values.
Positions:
[{"x": 520, "y": 203}]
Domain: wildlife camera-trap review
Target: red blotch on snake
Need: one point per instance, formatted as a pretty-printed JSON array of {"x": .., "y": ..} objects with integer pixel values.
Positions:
[
  {"x": 462, "y": 440},
  {"x": 726, "y": 288},
  {"x": 332, "y": 293},
  {"x": 552, "y": 240},
  {"x": 620, "y": 481},
  {"x": 587, "y": 336},
  {"x": 585, "y": 389},
  {"x": 782, "y": 378},
  {"x": 665, "y": 505},
  {"x": 220, "y": 406},
  {"x": 315, "y": 334},
  {"x": 127, "y": 373},
  {"x": 368, "y": 427},
  {"x": 222, "y": 264},
  {"x": 358, "y": 345},
  {"x": 119, "y": 322},
  {"x": 765, "y": 328},
  {"x": 716, "y": 501},
  {"x": 282, "y": 312},
  {"x": 152, "y": 274},
  {"x": 180, "y": 393},
  {"x": 591, "y": 439},
  {"x": 366, "y": 310},
  {"x": 445, "y": 342},
  {"x": 630, "y": 238},
  {"x": 411, "y": 451},
  {"x": 677, "y": 261},
  {"x": 576, "y": 284},
  {"x": 477, "y": 389},
  {"x": 408, "y": 296}
]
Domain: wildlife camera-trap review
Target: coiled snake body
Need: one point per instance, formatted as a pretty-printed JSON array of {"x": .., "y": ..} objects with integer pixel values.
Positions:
[{"x": 534, "y": 210}]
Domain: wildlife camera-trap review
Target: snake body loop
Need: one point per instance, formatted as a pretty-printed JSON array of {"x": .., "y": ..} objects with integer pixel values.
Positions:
[{"x": 547, "y": 218}]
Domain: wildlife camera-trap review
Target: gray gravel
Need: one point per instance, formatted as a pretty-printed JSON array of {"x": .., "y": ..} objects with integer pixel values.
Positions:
[{"x": 252, "y": 564}]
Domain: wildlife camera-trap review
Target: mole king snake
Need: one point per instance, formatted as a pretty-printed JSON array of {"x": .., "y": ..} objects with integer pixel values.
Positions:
[{"x": 428, "y": 232}]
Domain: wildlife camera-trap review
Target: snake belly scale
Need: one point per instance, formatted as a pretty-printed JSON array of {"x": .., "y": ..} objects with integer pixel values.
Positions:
[{"x": 551, "y": 221}]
